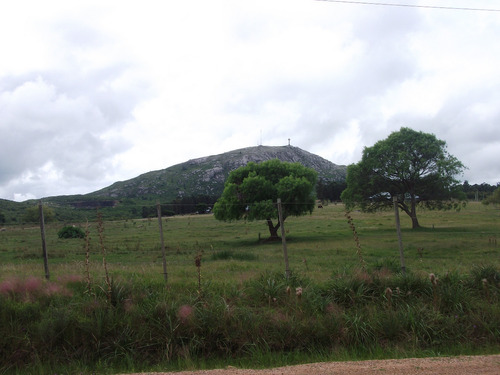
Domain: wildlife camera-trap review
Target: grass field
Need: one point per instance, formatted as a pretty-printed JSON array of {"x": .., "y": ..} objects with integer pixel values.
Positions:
[
  {"x": 319, "y": 245},
  {"x": 243, "y": 311}
]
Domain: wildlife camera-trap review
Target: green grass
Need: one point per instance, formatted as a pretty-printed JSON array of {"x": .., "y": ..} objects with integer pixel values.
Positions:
[
  {"x": 245, "y": 313},
  {"x": 319, "y": 245}
]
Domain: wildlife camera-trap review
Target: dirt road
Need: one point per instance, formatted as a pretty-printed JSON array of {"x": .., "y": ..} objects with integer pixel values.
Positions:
[{"x": 474, "y": 365}]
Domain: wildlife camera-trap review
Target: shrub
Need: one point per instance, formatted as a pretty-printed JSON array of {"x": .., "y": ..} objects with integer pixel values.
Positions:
[{"x": 70, "y": 231}]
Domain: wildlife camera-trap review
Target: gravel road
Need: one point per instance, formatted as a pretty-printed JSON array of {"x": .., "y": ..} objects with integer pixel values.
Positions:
[{"x": 472, "y": 365}]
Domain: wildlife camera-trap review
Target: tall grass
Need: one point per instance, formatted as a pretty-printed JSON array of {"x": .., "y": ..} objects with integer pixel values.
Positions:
[
  {"x": 228, "y": 302},
  {"x": 56, "y": 326}
]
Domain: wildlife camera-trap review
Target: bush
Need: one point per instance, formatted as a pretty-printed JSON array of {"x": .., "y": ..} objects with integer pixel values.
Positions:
[{"x": 71, "y": 232}]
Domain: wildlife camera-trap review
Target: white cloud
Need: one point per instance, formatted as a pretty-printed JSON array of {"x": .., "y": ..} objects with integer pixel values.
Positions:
[{"x": 94, "y": 92}]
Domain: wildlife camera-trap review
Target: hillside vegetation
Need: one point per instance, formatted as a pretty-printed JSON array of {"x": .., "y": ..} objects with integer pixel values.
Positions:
[
  {"x": 206, "y": 175},
  {"x": 195, "y": 181}
]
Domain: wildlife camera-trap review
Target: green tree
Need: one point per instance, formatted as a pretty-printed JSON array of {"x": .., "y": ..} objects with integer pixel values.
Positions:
[
  {"x": 329, "y": 190},
  {"x": 251, "y": 192},
  {"x": 412, "y": 166},
  {"x": 493, "y": 198},
  {"x": 32, "y": 214}
]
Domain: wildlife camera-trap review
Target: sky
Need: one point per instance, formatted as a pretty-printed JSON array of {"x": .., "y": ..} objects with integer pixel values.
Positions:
[{"x": 94, "y": 92}]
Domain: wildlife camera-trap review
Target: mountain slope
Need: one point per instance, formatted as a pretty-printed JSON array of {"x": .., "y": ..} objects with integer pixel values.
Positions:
[
  {"x": 206, "y": 175},
  {"x": 202, "y": 178}
]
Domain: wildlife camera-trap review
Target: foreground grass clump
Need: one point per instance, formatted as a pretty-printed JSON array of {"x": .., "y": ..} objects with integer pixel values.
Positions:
[{"x": 54, "y": 327}]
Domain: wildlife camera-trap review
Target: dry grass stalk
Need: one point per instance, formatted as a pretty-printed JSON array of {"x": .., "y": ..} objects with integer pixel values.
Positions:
[
  {"x": 305, "y": 264},
  {"x": 486, "y": 289},
  {"x": 420, "y": 252},
  {"x": 298, "y": 292},
  {"x": 434, "y": 281},
  {"x": 388, "y": 296},
  {"x": 350, "y": 221},
  {"x": 87, "y": 258},
  {"x": 197, "y": 263},
  {"x": 100, "y": 229}
]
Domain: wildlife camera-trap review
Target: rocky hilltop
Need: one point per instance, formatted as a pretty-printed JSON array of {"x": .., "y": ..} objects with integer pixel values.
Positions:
[
  {"x": 202, "y": 178},
  {"x": 206, "y": 175}
]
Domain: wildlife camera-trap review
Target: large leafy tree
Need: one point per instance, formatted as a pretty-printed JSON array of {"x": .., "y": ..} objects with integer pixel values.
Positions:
[
  {"x": 412, "y": 166},
  {"x": 251, "y": 192}
]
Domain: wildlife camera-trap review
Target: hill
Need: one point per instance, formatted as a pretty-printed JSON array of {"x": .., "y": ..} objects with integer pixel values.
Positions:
[
  {"x": 202, "y": 178},
  {"x": 206, "y": 175}
]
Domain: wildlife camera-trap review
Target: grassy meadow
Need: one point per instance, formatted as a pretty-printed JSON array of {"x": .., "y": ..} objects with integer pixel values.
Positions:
[
  {"x": 319, "y": 245},
  {"x": 235, "y": 306}
]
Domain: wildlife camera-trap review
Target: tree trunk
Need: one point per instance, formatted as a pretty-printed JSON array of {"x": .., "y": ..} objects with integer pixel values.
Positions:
[
  {"x": 273, "y": 229},
  {"x": 414, "y": 221},
  {"x": 413, "y": 213}
]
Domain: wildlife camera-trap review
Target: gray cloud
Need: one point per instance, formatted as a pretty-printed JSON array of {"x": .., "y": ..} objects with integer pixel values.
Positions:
[
  {"x": 88, "y": 92},
  {"x": 62, "y": 120}
]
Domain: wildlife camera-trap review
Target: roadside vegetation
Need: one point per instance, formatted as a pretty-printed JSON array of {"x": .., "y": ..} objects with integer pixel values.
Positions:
[{"x": 227, "y": 301}]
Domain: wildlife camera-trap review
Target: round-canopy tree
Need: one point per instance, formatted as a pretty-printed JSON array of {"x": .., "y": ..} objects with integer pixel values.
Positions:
[
  {"x": 251, "y": 192},
  {"x": 412, "y": 166}
]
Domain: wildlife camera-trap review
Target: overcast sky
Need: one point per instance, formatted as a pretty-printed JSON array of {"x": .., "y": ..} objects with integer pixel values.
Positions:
[{"x": 93, "y": 92}]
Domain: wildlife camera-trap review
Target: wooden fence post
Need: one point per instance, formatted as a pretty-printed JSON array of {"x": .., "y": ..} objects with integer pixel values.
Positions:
[
  {"x": 283, "y": 239},
  {"x": 44, "y": 245},
  {"x": 398, "y": 230},
  {"x": 158, "y": 210}
]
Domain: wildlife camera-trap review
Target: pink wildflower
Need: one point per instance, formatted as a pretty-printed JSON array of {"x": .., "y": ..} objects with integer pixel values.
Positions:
[
  {"x": 33, "y": 285},
  {"x": 185, "y": 313},
  {"x": 7, "y": 287},
  {"x": 56, "y": 289},
  {"x": 70, "y": 279}
]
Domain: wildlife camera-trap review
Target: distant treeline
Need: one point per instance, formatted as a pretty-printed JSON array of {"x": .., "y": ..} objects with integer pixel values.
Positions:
[
  {"x": 325, "y": 191},
  {"x": 478, "y": 191},
  {"x": 201, "y": 204},
  {"x": 81, "y": 209},
  {"x": 182, "y": 205}
]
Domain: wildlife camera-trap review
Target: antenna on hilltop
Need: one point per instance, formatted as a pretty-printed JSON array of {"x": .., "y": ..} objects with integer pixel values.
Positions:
[
  {"x": 260, "y": 144},
  {"x": 288, "y": 141}
]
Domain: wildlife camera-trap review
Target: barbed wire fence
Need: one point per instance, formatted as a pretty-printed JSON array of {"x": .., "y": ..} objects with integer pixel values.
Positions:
[{"x": 492, "y": 237}]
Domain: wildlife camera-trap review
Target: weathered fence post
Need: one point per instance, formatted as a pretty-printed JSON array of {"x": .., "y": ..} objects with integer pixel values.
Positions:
[
  {"x": 44, "y": 245},
  {"x": 400, "y": 241},
  {"x": 283, "y": 239},
  {"x": 158, "y": 210}
]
